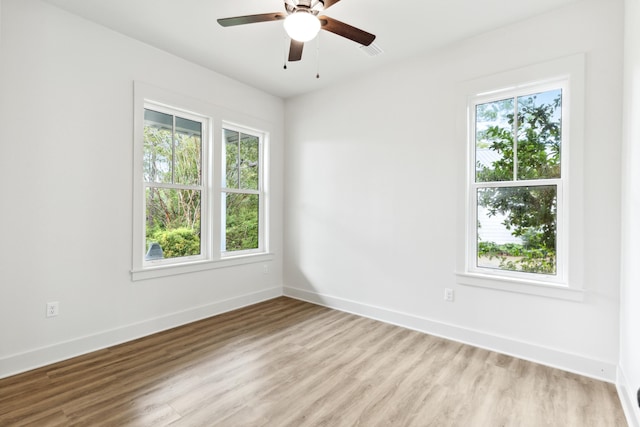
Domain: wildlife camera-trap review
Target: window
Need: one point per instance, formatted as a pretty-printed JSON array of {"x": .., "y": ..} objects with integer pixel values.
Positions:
[
  {"x": 241, "y": 191},
  {"x": 523, "y": 227},
  {"x": 174, "y": 194},
  {"x": 199, "y": 186},
  {"x": 517, "y": 182}
]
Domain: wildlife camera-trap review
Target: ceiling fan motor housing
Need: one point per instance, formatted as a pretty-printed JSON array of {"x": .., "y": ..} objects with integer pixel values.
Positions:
[{"x": 310, "y": 6}]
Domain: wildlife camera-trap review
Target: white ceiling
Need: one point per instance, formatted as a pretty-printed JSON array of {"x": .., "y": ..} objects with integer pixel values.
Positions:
[{"x": 255, "y": 53}]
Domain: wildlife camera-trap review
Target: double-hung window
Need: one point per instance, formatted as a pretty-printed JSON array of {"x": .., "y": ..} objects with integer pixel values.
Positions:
[
  {"x": 174, "y": 197},
  {"x": 517, "y": 182},
  {"x": 199, "y": 186},
  {"x": 524, "y": 226},
  {"x": 242, "y": 196}
]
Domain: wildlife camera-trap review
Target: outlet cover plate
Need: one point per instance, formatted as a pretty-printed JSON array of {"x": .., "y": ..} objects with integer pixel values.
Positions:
[
  {"x": 53, "y": 308},
  {"x": 448, "y": 294}
]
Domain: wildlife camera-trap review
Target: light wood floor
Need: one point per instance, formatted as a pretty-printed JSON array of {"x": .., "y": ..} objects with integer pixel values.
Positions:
[{"x": 289, "y": 363}]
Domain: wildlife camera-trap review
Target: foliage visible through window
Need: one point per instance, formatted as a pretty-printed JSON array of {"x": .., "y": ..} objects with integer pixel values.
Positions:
[
  {"x": 198, "y": 185},
  {"x": 518, "y": 180},
  {"x": 241, "y": 191},
  {"x": 173, "y": 185}
]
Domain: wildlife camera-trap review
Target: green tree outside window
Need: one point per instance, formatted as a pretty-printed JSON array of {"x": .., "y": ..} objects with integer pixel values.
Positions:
[{"x": 519, "y": 139}]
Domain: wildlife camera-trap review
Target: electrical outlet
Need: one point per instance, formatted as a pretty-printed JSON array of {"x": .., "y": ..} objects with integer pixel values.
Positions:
[
  {"x": 265, "y": 269},
  {"x": 53, "y": 308},
  {"x": 448, "y": 294}
]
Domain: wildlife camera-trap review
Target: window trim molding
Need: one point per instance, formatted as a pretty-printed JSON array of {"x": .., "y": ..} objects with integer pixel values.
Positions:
[
  {"x": 200, "y": 265},
  {"x": 211, "y": 258},
  {"x": 519, "y": 285},
  {"x": 500, "y": 85}
]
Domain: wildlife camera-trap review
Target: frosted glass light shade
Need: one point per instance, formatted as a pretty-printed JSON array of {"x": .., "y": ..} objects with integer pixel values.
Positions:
[{"x": 302, "y": 26}]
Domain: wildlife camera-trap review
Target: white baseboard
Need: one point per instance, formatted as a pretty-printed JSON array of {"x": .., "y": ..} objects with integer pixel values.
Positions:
[
  {"x": 555, "y": 358},
  {"x": 628, "y": 398},
  {"x": 15, "y": 364}
]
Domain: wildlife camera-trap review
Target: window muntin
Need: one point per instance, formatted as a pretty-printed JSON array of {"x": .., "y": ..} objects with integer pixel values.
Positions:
[
  {"x": 516, "y": 186},
  {"x": 241, "y": 194},
  {"x": 173, "y": 184}
]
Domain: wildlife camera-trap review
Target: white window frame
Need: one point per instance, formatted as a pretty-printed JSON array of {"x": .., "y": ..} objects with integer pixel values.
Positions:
[
  {"x": 566, "y": 74},
  {"x": 559, "y": 183},
  {"x": 259, "y": 192},
  {"x": 214, "y": 118},
  {"x": 205, "y": 142}
]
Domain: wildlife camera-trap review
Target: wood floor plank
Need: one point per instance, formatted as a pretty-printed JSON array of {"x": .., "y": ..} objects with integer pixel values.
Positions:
[{"x": 289, "y": 363}]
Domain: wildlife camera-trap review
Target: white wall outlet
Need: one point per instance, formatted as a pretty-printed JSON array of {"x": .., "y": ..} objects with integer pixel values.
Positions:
[
  {"x": 448, "y": 294},
  {"x": 265, "y": 269},
  {"x": 53, "y": 308}
]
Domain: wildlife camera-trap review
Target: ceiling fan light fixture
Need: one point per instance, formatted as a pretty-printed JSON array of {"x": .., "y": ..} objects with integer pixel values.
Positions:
[{"x": 302, "y": 26}]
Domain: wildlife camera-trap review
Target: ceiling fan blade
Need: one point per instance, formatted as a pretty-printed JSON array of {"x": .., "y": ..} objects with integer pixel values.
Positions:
[
  {"x": 251, "y": 19},
  {"x": 295, "y": 50},
  {"x": 346, "y": 30},
  {"x": 329, "y": 3}
]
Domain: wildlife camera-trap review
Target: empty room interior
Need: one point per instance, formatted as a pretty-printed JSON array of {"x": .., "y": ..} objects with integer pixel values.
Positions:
[{"x": 416, "y": 213}]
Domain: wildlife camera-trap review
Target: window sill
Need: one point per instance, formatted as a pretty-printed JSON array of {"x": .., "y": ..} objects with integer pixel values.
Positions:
[
  {"x": 530, "y": 287},
  {"x": 195, "y": 266}
]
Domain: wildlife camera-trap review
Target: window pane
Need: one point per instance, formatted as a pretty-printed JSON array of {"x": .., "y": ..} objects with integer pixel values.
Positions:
[
  {"x": 187, "y": 152},
  {"x": 158, "y": 131},
  {"x": 173, "y": 222},
  {"x": 231, "y": 177},
  {"x": 241, "y": 221},
  {"x": 516, "y": 228},
  {"x": 539, "y": 135},
  {"x": 249, "y": 163},
  {"x": 494, "y": 141}
]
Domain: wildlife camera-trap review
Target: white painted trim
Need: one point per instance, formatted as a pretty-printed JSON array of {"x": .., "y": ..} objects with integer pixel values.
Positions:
[
  {"x": 552, "y": 357},
  {"x": 512, "y": 284},
  {"x": 627, "y": 399},
  {"x": 202, "y": 265},
  {"x": 17, "y": 363}
]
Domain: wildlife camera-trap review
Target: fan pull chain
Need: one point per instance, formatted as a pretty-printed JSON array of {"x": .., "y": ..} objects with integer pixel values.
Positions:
[
  {"x": 284, "y": 50},
  {"x": 318, "y": 56}
]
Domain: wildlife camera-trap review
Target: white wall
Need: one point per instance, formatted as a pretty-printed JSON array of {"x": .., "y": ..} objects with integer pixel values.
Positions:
[
  {"x": 629, "y": 375},
  {"x": 373, "y": 204},
  {"x": 66, "y": 126},
  {"x": 365, "y": 230}
]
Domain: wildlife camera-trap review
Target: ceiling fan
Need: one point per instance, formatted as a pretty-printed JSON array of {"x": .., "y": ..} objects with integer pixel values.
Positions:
[{"x": 302, "y": 23}]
